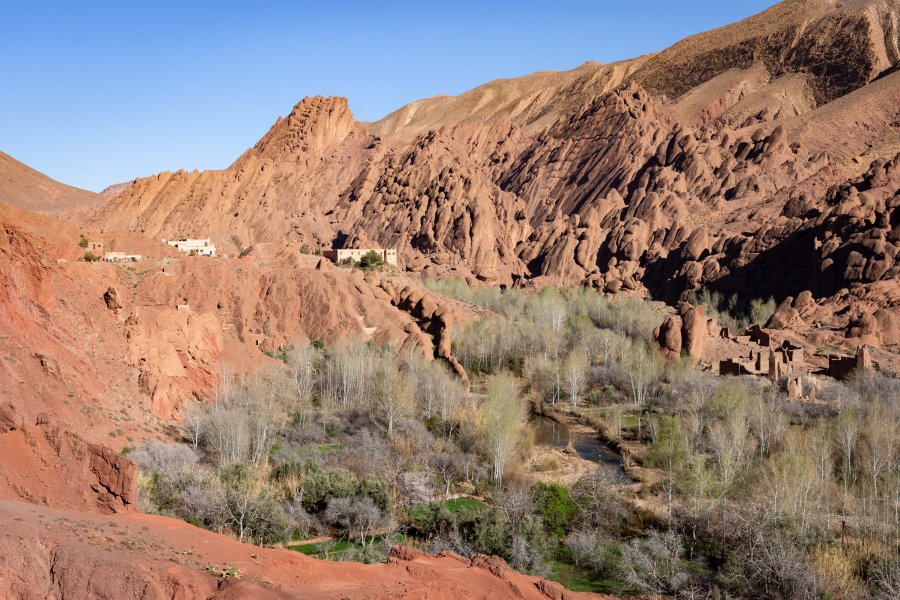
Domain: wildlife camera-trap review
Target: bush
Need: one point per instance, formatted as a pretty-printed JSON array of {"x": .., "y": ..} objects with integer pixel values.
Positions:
[
  {"x": 489, "y": 532},
  {"x": 531, "y": 548},
  {"x": 654, "y": 564},
  {"x": 589, "y": 549},
  {"x": 167, "y": 459},
  {"x": 598, "y": 505},
  {"x": 884, "y": 579},
  {"x": 322, "y": 485},
  {"x": 371, "y": 260},
  {"x": 89, "y": 257},
  {"x": 555, "y": 506},
  {"x": 253, "y": 510}
]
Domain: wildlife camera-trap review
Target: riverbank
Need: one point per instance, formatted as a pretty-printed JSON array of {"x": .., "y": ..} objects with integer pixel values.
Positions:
[{"x": 632, "y": 453}]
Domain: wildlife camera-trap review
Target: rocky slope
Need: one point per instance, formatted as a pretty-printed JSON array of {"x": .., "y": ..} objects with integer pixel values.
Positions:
[
  {"x": 26, "y": 188},
  {"x": 793, "y": 57},
  {"x": 53, "y": 553},
  {"x": 115, "y": 350},
  {"x": 693, "y": 167}
]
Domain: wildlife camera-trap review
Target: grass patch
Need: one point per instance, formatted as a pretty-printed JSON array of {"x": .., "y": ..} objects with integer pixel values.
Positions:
[
  {"x": 329, "y": 448},
  {"x": 578, "y": 579},
  {"x": 322, "y": 549},
  {"x": 455, "y": 505},
  {"x": 464, "y": 503},
  {"x": 334, "y": 549}
]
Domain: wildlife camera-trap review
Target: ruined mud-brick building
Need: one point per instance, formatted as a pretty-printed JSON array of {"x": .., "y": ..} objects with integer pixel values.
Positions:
[{"x": 840, "y": 367}]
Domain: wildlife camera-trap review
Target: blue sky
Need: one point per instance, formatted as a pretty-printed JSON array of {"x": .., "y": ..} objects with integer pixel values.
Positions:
[{"x": 94, "y": 93}]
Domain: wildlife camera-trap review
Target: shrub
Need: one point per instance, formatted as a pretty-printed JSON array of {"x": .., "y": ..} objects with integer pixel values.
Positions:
[
  {"x": 654, "y": 564},
  {"x": 555, "y": 506},
  {"x": 489, "y": 532},
  {"x": 89, "y": 257},
  {"x": 762, "y": 310},
  {"x": 371, "y": 260},
  {"x": 322, "y": 485},
  {"x": 377, "y": 489},
  {"x": 167, "y": 459},
  {"x": 589, "y": 549},
  {"x": 884, "y": 579}
]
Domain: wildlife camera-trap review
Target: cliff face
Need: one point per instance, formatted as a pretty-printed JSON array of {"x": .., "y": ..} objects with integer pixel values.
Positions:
[{"x": 45, "y": 464}]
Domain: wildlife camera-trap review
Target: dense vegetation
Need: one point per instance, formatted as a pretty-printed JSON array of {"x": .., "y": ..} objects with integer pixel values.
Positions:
[{"x": 738, "y": 491}]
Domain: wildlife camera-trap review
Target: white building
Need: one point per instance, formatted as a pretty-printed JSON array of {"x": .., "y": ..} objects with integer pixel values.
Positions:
[
  {"x": 199, "y": 247},
  {"x": 388, "y": 255},
  {"x": 121, "y": 257}
]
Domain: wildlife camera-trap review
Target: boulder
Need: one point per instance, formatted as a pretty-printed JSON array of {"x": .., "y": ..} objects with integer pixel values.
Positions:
[
  {"x": 111, "y": 297},
  {"x": 785, "y": 316},
  {"x": 693, "y": 329},
  {"x": 668, "y": 336}
]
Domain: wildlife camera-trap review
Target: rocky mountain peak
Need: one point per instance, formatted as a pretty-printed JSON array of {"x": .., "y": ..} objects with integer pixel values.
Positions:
[{"x": 313, "y": 126}]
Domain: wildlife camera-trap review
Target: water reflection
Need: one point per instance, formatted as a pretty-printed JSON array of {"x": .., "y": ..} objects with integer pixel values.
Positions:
[{"x": 553, "y": 433}]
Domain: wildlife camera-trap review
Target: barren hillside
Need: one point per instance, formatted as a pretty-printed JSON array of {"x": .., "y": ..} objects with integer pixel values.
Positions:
[{"x": 22, "y": 186}]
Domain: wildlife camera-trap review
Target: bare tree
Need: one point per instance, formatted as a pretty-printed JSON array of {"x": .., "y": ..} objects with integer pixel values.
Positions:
[
  {"x": 576, "y": 366},
  {"x": 391, "y": 395},
  {"x": 503, "y": 416},
  {"x": 228, "y": 434},
  {"x": 263, "y": 403},
  {"x": 302, "y": 365},
  {"x": 194, "y": 423},
  {"x": 643, "y": 369}
]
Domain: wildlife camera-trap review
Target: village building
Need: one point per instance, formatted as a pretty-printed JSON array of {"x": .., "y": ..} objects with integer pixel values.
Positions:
[
  {"x": 760, "y": 357},
  {"x": 388, "y": 255},
  {"x": 121, "y": 257},
  {"x": 840, "y": 367},
  {"x": 200, "y": 247}
]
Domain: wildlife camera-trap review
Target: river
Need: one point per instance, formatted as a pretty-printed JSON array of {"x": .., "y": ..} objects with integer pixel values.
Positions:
[{"x": 550, "y": 432}]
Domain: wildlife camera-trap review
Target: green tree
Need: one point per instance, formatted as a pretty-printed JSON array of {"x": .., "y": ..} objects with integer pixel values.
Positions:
[
  {"x": 371, "y": 260},
  {"x": 555, "y": 505},
  {"x": 321, "y": 485},
  {"x": 377, "y": 489}
]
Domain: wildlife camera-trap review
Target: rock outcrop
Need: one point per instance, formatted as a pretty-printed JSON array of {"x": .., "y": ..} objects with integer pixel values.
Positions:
[{"x": 45, "y": 464}]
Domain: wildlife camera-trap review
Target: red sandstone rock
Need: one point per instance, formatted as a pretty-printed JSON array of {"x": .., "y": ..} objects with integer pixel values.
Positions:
[
  {"x": 693, "y": 329},
  {"x": 668, "y": 335}
]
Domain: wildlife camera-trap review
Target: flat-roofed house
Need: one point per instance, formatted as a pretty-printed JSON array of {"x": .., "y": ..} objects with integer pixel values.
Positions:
[
  {"x": 201, "y": 247},
  {"x": 121, "y": 257},
  {"x": 388, "y": 255}
]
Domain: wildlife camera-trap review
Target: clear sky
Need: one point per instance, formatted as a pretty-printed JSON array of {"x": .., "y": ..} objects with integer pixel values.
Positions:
[{"x": 94, "y": 93}]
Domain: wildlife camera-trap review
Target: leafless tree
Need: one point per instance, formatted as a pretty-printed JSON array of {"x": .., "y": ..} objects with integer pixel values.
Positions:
[
  {"x": 503, "y": 415},
  {"x": 193, "y": 423},
  {"x": 392, "y": 398},
  {"x": 576, "y": 367},
  {"x": 654, "y": 564}
]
